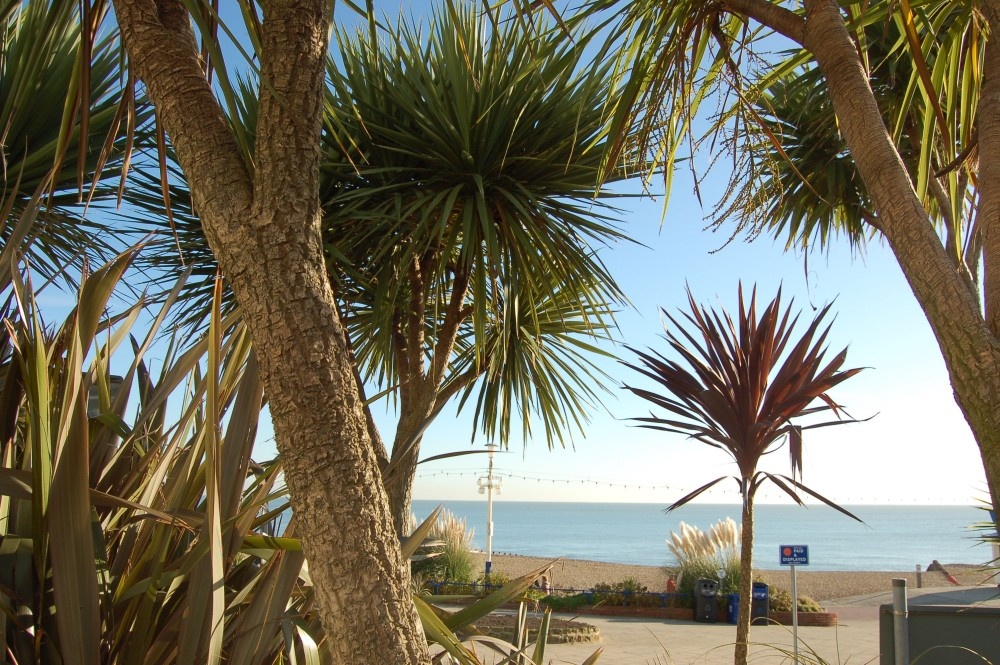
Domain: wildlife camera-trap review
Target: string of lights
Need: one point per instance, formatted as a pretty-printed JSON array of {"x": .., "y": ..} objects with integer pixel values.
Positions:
[
  {"x": 765, "y": 495},
  {"x": 540, "y": 479}
]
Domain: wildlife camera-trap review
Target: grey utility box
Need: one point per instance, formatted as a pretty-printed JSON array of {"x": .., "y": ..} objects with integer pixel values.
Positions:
[{"x": 944, "y": 634}]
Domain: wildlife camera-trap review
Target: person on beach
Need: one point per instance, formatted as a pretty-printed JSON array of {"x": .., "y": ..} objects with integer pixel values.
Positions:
[{"x": 546, "y": 585}]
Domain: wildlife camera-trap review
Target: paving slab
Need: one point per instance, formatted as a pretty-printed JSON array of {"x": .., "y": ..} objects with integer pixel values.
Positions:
[{"x": 855, "y": 641}]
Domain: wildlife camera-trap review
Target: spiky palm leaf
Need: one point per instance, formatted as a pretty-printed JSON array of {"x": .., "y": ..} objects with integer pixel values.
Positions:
[
  {"x": 57, "y": 157},
  {"x": 465, "y": 164},
  {"x": 797, "y": 178},
  {"x": 742, "y": 386}
]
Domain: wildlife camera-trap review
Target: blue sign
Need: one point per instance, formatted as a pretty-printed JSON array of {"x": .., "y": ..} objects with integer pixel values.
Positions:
[{"x": 794, "y": 555}]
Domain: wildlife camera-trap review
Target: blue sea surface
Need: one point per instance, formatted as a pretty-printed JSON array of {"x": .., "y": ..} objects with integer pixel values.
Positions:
[{"x": 892, "y": 538}]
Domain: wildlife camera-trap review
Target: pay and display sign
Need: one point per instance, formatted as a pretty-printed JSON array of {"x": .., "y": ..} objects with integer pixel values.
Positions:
[{"x": 794, "y": 555}]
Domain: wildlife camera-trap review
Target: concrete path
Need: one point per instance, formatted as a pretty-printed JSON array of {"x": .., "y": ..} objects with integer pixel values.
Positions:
[{"x": 854, "y": 641}]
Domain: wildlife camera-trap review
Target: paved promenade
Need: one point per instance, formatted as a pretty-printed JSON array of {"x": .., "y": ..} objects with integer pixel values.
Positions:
[{"x": 627, "y": 641}]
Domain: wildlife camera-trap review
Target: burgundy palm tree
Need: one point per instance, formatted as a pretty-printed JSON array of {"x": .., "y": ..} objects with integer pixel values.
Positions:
[{"x": 739, "y": 386}]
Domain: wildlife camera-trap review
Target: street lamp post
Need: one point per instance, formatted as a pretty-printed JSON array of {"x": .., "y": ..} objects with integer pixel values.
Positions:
[{"x": 487, "y": 486}]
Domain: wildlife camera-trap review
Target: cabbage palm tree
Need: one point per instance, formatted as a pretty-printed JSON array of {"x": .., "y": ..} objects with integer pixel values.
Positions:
[
  {"x": 927, "y": 159},
  {"x": 465, "y": 209},
  {"x": 460, "y": 225},
  {"x": 744, "y": 387}
]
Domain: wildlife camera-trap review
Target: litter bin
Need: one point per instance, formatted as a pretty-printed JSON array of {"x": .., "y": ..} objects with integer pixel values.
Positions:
[
  {"x": 733, "y": 608},
  {"x": 759, "y": 603},
  {"x": 706, "y": 601}
]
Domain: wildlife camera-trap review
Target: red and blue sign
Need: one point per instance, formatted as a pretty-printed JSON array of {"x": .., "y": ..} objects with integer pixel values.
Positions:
[{"x": 794, "y": 555}]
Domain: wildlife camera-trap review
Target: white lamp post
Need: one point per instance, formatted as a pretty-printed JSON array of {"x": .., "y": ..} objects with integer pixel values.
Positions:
[{"x": 486, "y": 486}]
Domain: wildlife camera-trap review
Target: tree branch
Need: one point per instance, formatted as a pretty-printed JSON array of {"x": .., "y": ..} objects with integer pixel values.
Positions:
[
  {"x": 777, "y": 18},
  {"x": 448, "y": 332},
  {"x": 164, "y": 56},
  {"x": 414, "y": 318},
  {"x": 456, "y": 385}
]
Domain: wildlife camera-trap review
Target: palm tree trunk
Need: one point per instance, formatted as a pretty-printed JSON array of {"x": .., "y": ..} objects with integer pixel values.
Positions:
[
  {"x": 968, "y": 341},
  {"x": 416, "y": 404},
  {"x": 264, "y": 229},
  {"x": 746, "y": 577},
  {"x": 399, "y": 486}
]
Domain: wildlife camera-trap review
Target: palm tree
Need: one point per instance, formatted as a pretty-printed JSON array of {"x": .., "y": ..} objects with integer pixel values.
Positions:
[
  {"x": 460, "y": 225},
  {"x": 916, "y": 118},
  {"x": 743, "y": 387},
  {"x": 464, "y": 207}
]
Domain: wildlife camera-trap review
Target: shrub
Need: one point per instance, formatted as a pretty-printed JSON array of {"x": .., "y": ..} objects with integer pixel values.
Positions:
[
  {"x": 487, "y": 584},
  {"x": 627, "y": 592},
  {"x": 807, "y": 604},
  {"x": 702, "y": 555},
  {"x": 781, "y": 601},
  {"x": 565, "y": 603},
  {"x": 448, "y": 555}
]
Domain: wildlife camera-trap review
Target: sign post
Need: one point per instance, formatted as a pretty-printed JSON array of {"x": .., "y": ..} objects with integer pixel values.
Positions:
[{"x": 794, "y": 555}]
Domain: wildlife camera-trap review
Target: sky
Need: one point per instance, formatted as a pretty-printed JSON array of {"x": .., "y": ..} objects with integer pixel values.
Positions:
[{"x": 915, "y": 448}]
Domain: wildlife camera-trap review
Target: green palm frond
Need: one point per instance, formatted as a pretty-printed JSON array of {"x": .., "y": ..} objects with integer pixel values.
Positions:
[
  {"x": 463, "y": 164},
  {"x": 490, "y": 143},
  {"x": 76, "y": 158},
  {"x": 797, "y": 179},
  {"x": 791, "y": 174},
  {"x": 539, "y": 363}
]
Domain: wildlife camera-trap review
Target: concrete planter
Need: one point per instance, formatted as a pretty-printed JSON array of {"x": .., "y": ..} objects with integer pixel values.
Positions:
[{"x": 820, "y": 619}]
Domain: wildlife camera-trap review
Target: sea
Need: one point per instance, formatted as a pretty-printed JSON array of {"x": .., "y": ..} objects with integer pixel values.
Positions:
[{"x": 891, "y": 538}]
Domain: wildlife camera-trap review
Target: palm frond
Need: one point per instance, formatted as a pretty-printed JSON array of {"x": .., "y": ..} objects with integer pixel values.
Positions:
[{"x": 741, "y": 387}]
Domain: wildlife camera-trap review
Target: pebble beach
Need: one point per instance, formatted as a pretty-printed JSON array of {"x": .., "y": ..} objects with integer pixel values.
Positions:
[{"x": 817, "y": 584}]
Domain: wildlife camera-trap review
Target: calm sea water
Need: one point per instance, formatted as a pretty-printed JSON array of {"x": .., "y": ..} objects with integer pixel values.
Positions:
[{"x": 893, "y": 538}]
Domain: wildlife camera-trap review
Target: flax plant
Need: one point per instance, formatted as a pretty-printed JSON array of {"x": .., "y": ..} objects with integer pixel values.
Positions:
[
  {"x": 144, "y": 512},
  {"x": 148, "y": 521}
]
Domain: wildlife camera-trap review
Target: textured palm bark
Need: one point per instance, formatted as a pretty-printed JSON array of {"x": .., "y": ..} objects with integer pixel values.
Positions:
[
  {"x": 746, "y": 576},
  {"x": 969, "y": 341},
  {"x": 989, "y": 167},
  {"x": 970, "y": 348},
  {"x": 403, "y": 463},
  {"x": 989, "y": 222},
  {"x": 264, "y": 230},
  {"x": 424, "y": 385}
]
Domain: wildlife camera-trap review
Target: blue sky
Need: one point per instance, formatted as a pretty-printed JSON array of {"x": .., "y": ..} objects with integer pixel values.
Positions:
[{"x": 917, "y": 449}]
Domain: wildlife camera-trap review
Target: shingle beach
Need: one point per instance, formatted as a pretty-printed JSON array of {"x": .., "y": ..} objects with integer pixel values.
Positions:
[{"x": 820, "y": 585}]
